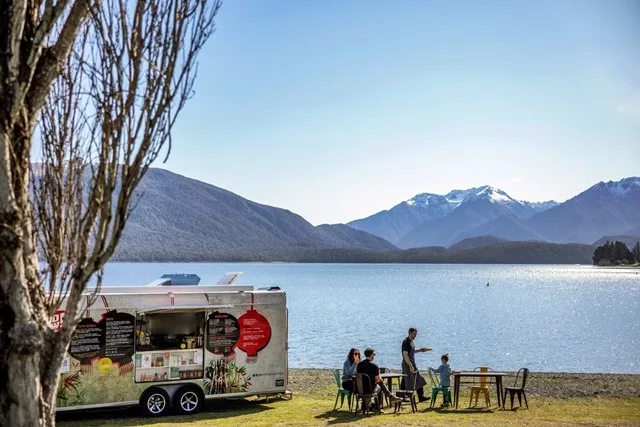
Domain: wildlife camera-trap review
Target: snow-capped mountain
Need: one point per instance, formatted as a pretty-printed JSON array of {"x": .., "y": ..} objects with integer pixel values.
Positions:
[
  {"x": 474, "y": 207},
  {"x": 607, "y": 208},
  {"x": 432, "y": 219}
]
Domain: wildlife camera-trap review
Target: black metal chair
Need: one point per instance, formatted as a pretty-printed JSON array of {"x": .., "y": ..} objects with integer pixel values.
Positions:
[
  {"x": 364, "y": 394},
  {"x": 518, "y": 388},
  {"x": 408, "y": 395}
]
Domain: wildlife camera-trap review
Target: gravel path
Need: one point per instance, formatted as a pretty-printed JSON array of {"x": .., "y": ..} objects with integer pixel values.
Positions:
[{"x": 545, "y": 384}]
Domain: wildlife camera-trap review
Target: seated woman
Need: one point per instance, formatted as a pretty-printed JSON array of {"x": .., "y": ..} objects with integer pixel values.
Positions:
[{"x": 349, "y": 368}]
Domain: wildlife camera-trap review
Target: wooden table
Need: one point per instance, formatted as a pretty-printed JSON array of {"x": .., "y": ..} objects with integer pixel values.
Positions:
[
  {"x": 477, "y": 374},
  {"x": 389, "y": 376}
]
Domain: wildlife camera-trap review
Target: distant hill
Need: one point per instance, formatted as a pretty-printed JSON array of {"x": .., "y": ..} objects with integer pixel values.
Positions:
[
  {"x": 507, "y": 253},
  {"x": 180, "y": 218},
  {"x": 476, "y": 242}
]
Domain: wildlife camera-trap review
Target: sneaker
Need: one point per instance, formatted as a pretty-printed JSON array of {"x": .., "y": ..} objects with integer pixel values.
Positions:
[{"x": 423, "y": 399}]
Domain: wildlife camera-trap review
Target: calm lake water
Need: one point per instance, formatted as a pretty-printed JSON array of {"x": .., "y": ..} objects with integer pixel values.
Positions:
[{"x": 545, "y": 317}]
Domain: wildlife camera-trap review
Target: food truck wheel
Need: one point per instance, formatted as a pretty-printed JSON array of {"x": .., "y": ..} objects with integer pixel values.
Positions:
[
  {"x": 154, "y": 402},
  {"x": 188, "y": 399}
]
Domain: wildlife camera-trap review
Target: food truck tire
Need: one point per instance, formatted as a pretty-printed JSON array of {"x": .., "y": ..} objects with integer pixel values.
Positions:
[
  {"x": 188, "y": 399},
  {"x": 154, "y": 402}
]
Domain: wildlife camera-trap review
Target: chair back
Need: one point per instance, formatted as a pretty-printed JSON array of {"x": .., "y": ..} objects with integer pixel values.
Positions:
[
  {"x": 482, "y": 380},
  {"x": 521, "y": 378},
  {"x": 359, "y": 383},
  {"x": 337, "y": 374},
  {"x": 433, "y": 376}
]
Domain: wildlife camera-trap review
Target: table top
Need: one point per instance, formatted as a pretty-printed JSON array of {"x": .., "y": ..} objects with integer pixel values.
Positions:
[
  {"x": 391, "y": 375},
  {"x": 478, "y": 374}
]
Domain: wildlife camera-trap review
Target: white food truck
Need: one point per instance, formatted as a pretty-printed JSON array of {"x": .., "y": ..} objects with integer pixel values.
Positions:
[{"x": 173, "y": 344}]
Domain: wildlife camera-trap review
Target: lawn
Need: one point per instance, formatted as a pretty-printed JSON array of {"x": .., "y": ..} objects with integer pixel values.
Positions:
[{"x": 314, "y": 407}]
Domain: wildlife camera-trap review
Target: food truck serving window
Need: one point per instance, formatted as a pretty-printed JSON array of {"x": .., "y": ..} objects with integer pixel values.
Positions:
[{"x": 169, "y": 344}]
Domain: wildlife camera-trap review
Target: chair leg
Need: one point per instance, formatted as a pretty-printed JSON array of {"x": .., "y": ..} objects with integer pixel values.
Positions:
[
  {"x": 519, "y": 399},
  {"x": 487, "y": 399},
  {"x": 511, "y": 393},
  {"x": 355, "y": 411},
  {"x": 470, "y": 398},
  {"x": 414, "y": 404},
  {"x": 349, "y": 401},
  {"x": 335, "y": 405},
  {"x": 524, "y": 394}
]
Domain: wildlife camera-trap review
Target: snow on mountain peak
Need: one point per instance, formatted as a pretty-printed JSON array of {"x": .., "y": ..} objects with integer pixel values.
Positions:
[
  {"x": 425, "y": 199},
  {"x": 624, "y": 186},
  {"x": 486, "y": 192}
]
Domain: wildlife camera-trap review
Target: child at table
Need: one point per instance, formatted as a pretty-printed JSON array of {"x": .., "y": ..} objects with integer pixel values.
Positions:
[{"x": 445, "y": 379}]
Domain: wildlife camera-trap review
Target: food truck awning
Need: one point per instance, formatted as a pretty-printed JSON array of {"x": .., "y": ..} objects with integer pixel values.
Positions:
[{"x": 182, "y": 308}]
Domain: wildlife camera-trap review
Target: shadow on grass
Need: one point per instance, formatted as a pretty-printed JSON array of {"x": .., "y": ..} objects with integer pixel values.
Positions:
[
  {"x": 214, "y": 409},
  {"x": 461, "y": 411}
]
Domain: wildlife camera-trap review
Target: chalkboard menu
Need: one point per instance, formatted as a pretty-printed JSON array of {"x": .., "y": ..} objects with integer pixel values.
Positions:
[
  {"x": 223, "y": 332},
  {"x": 119, "y": 331},
  {"x": 113, "y": 337},
  {"x": 87, "y": 340}
]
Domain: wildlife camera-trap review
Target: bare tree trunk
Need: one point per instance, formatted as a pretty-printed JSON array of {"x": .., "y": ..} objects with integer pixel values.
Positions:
[
  {"x": 132, "y": 65},
  {"x": 20, "y": 328}
]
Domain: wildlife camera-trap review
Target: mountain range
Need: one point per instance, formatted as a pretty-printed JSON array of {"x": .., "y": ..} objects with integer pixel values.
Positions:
[
  {"x": 611, "y": 208},
  {"x": 181, "y": 219}
]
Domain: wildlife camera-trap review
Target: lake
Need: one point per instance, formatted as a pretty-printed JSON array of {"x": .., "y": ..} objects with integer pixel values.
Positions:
[{"x": 550, "y": 318}]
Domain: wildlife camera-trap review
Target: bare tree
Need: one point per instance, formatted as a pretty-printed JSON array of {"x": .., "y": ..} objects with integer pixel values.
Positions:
[{"x": 105, "y": 80}]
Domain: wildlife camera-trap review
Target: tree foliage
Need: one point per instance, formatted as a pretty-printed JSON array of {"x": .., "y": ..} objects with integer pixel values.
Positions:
[{"x": 613, "y": 253}]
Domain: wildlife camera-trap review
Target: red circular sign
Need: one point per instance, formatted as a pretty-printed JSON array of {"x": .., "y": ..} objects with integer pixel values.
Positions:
[{"x": 255, "y": 332}]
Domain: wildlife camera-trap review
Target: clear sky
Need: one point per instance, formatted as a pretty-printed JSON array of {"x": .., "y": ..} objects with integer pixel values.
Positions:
[{"x": 336, "y": 110}]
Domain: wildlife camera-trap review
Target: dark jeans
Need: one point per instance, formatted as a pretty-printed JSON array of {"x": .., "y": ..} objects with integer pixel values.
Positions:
[{"x": 348, "y": 385}]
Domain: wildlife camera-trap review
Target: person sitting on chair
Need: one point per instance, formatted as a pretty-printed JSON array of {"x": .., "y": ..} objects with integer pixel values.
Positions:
[
  {"x": 349, "y": 368},
  {"x": 367, "y": 366}
]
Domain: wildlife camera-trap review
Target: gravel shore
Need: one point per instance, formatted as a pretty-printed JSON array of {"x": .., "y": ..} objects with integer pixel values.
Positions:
[{"x": 543, "y": 384}]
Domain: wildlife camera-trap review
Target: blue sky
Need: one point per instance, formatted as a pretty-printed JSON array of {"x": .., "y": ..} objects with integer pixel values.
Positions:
[{"x": 336, "y": 110}]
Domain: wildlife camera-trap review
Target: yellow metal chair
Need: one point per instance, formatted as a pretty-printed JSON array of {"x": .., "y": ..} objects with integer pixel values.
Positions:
[{"x": 481, "y": 387}]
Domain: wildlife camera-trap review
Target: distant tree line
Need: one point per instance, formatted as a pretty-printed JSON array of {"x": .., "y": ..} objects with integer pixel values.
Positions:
[
  {"x": 616, "y": 253},
  {"x": 500, "y": 253}
]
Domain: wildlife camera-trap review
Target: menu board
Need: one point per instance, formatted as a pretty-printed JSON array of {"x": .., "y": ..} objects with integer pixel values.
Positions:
[
  {"x": 86, "y": 341},
  {"x": 119, "y": 330},
  {"x": 113, "y": 337},
  {"x": 223, "y": 332}
]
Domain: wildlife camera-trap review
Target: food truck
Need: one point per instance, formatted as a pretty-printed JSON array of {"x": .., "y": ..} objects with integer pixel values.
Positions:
[{"x": 174, "y": 343}]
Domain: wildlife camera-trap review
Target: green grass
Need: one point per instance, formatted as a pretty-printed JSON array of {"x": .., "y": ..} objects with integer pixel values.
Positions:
[{"x": 315, "y": 408}]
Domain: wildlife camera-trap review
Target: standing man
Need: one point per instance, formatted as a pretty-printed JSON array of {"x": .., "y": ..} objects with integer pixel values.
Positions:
[{"x": 409, "y": 366}]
